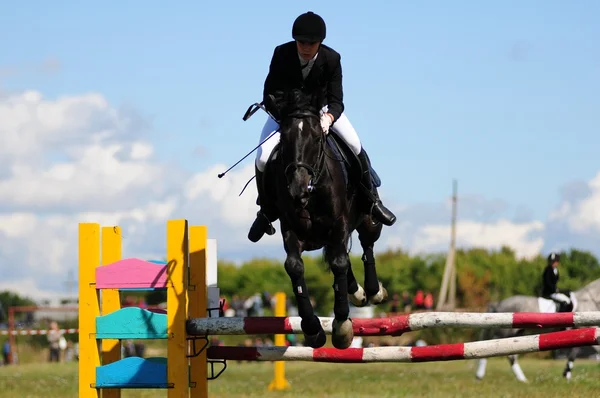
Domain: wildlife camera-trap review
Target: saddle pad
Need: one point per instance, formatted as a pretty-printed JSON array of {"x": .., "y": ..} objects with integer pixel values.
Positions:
[
  {"x": 349, "y": 159},
  {"x": 338, "y": 155},
  {"x": 547, "y": 306}
]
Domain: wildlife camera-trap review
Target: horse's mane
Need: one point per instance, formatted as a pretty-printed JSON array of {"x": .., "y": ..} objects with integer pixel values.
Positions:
[{"x": 288, "y": 103}]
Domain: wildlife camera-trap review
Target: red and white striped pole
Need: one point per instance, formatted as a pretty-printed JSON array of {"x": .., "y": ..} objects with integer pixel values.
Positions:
[
  {"x": 443, "y": 352},
  {"x": 395, "y": 326},
  {"x": 33, "y": 332}
]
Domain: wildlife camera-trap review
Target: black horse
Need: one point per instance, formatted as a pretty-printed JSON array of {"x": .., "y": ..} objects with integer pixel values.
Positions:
[{"x": 311, "y": 188}]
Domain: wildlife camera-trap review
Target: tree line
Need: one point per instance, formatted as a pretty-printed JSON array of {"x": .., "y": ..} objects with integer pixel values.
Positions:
[{"x": 483, "y": 275}]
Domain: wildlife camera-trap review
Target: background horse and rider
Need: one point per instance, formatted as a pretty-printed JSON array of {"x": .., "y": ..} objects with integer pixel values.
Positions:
[{"x": 585, "y": 299}]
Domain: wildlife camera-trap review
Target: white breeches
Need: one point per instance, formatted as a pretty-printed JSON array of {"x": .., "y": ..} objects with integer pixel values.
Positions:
[
  {"x": 561, "y": 297},
  {"x": 342, "y": 127}
]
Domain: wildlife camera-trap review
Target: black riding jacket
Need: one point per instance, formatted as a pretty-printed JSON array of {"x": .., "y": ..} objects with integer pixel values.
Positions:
[
  {"x": 323, "y": 83},
  {"x": 550, "y": 281}
]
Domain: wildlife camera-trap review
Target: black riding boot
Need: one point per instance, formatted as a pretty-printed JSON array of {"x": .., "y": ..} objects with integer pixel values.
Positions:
[
  {"x": 262, "y": 223},
  {"x": 382, "y": 213}
]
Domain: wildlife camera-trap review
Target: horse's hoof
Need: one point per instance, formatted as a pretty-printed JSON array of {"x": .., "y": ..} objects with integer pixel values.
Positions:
[
  {"x": 381, "y": 296},
  {"x": 359, "y": 297},
  {"x": 316, "y": 340},
  {"x": 342, "y": 334}
]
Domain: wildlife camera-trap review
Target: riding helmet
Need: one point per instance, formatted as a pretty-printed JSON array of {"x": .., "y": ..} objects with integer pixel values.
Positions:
[
  {"x": 552, "y": 257},
  {"x": 309, "y": 27}
]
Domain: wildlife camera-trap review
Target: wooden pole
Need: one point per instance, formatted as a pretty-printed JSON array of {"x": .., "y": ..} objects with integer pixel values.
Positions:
[
  {"x": 198, "y": 304},
  {"x": 89, "y": 308},
  {"x": 447, "y": 299},
  {"x": 110, "y": 300}
]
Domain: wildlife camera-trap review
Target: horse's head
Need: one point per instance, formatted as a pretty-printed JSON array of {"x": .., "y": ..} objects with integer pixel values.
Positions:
[{"x": 302, "y": 143}]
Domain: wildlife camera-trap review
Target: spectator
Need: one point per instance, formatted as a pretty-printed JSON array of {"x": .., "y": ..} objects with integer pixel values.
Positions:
[
  {"x": 70, "y": 352},
  {"x": 253, "y": 305},
  {"x": 237, "y": 304},
  {"x": 406, "y": 302},
  {"x": 394, "y": 307},
  {"x": 419, "y": 300},
  {"x": 428, "y": 301},
  {"x": 6, "y": 352},
  {"x": 54, "y": 337}
]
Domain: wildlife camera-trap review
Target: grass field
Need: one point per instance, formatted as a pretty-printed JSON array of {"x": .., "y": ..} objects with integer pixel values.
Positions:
[{"x": 442, "y": 379}]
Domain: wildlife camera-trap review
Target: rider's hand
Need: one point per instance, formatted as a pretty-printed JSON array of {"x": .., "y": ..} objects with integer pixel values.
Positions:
[{"x": 326, "y": 121}]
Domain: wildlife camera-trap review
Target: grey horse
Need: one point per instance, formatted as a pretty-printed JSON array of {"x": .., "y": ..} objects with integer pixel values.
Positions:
[{"x": 587, "y": 299}]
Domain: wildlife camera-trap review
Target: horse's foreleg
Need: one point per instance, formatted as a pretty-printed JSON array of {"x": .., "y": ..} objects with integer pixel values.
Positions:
[
  {"x": 314, "y": 335},
  {"x": 482, "y": 363},
  {"x": 342, "y": 333},
  {"x": 484, "y": 334}
]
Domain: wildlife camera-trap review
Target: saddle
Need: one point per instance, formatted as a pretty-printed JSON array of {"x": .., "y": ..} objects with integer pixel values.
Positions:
[
  {"x": 351, "y": 166},
  {"x": 350, "y": 163}
]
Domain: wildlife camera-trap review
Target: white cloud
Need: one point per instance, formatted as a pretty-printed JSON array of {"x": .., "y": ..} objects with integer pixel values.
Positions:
[
  {"x": 99, "y": 164},
  {"x": 581, "y": 215},
  {"x": 234, "y": 209},
  {"x": 30, "y": 125},
  {"x": 29, "y": 287},
  {"x": 519, "y": 236}
]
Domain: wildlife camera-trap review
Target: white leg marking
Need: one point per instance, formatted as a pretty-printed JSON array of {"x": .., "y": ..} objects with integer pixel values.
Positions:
[
  {"x": 481, "y": 368},
  {"x": 516, "y": 368},
  {"x": 568, "y": 372},
  {"x": 358, "y": 298},
  {"x": 380, "y": 296}
]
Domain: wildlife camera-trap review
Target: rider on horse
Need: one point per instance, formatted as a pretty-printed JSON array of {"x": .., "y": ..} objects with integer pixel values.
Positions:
[
  {"x": 307, "y": 64},
  {"x": 550, "y": 280}
]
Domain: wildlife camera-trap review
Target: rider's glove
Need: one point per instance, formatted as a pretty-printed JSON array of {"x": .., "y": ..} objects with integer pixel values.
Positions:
[{"x": 326, "y": 121}]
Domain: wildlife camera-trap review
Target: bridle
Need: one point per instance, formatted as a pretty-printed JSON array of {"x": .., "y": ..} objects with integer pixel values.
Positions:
[{"x": 315, "y": 170}]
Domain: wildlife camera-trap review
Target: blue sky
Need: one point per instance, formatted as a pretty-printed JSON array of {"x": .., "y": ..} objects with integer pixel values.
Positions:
[{"x": 502, "y": 96}]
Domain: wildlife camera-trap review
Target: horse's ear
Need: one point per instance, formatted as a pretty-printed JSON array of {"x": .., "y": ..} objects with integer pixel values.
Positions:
[{"x": 275, "y": 103}]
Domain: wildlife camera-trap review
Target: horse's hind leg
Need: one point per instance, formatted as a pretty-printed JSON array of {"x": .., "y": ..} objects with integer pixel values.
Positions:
[
  {"x": 342, "y": 333},
  {"x": 368, "y": 235},
  {"x": 516, "y": 368},
  {"x": 314, "y": 335},
  {"x": 569, "y": 366},
  {"x": 356, "y": 293}
]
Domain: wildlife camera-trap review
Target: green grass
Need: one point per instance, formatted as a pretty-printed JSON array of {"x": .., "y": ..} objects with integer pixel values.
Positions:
[{"x": 442, "y": 379}]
